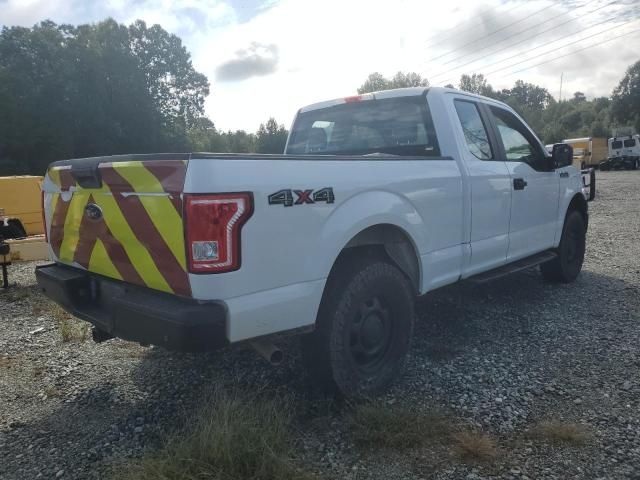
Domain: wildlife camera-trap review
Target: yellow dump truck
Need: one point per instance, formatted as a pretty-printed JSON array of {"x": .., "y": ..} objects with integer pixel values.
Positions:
[
  {"x": 20, "y": 199},
  {"x": 588, "y": 151}
]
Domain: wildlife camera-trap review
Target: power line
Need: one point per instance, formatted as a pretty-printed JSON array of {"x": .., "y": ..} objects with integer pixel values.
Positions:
[
  {"x": 463, "y": 24},
  {"x": 490, "y": 34},
  {"x": 520, "y": 54},
  {"x": 558, "y": 57},
  {"x": 525, "y": 40},
  {"x": 554, "y": 50},
  {"x": 575, "y": 51}
]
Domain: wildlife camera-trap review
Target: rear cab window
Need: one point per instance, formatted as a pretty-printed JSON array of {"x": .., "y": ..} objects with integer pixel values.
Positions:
[{"x": 394, "y": 126}]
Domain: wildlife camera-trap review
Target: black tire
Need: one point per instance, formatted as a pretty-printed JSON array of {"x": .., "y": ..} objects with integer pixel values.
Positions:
[
  {"x": 592, "y": 185},
  {"x": 604, "y": 167},
  {"x": 14, "y": 229},
  {"x": 363, "y": 330},
  {"x": 566, "y": 267}
]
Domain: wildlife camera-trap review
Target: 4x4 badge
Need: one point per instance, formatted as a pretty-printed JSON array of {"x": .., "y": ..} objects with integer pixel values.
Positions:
[{"x": 302, "y": 196}]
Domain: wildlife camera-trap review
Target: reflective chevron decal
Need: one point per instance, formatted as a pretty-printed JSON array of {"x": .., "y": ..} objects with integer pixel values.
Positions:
[{"x": 139, "y": 235}]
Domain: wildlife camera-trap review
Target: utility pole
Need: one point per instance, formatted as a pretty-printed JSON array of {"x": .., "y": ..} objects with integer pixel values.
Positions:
[{"x": 560, "y": 96}]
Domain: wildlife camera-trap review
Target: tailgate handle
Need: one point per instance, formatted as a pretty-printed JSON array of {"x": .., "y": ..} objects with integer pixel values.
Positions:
[{"x": 87, "y": 175}]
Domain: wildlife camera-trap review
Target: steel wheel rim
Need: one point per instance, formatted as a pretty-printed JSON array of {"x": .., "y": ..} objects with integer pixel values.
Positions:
[{"x": 370, "y": 334}]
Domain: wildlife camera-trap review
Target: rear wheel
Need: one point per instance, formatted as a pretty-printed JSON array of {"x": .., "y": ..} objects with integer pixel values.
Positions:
[
  {"x": 566, "y": 266},
  {"x": 364, "y": 328}
]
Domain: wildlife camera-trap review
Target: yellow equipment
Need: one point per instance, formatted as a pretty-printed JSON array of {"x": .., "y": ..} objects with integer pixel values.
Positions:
[
  {"x": 20, "y": 198},
  {"x": 588, "y": 151}
]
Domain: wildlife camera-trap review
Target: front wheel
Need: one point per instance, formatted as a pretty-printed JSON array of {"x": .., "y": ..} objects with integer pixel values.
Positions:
[
  {"x": 364, "y": 329},
  {"x": 566, "y": 266}
]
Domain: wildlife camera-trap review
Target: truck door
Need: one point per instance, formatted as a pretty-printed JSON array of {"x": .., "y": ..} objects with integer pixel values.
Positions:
[
  {"x": 490, "y": 188},
  {"x": 534, "y": 202}
]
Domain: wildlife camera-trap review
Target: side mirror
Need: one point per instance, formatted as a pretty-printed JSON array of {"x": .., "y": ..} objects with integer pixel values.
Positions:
[{"x": 562, "y": 155}]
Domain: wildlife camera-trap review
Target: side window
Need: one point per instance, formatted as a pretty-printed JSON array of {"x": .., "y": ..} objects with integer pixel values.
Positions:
[
  {"x": 516, "y": 139},
  {"x": 474, "y": 130}
]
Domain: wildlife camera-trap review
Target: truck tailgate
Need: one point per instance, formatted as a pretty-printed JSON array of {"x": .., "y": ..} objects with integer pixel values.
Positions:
[{"x": 120, "y": 218}]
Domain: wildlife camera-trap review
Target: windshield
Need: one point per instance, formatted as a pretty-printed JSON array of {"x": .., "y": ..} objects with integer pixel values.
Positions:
[
  {"x": 397, "y": 126},
  {"x": 616, "y": 144}
]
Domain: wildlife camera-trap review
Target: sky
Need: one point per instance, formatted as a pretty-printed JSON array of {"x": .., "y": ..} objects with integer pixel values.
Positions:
[{"x": 267, "y": 58}]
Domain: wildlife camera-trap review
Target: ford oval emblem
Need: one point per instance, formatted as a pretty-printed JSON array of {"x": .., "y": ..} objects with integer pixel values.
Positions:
[{"x": 93, "y": 212}]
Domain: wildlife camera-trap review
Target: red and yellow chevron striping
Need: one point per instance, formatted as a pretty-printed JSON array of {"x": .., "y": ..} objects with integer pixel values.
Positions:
[{"x": 139, "y": 238}]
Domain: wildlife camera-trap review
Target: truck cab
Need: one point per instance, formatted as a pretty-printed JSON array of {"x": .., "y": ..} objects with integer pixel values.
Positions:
[{"x": 624, "y": 153}]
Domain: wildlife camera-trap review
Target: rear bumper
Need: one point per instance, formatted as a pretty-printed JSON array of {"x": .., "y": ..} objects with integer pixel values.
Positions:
[{"x": 135, "y": 313}]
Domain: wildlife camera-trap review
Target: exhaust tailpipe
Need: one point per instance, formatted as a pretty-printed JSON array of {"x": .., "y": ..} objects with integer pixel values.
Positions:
[{"x": 269, "y": 351}]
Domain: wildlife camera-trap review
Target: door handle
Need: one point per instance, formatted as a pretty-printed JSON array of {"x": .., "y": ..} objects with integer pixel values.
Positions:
[{"x": 519, "y": 183}]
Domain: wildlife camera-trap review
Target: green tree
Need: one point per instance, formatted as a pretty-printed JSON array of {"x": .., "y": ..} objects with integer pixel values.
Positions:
[
  {"x": 177, "y": 89},
  {"x": 528, "y": 95},
  {"x": 376, "y": 82},
  {"x": 271, "y": 137},
  {"x": 99, "y": 89},
  {"x": 476, "y": 83},
  {"x": 625, "y": 106}
]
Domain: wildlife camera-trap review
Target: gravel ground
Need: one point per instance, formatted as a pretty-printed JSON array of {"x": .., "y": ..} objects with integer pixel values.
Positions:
[{"x": 498, "y": 359}]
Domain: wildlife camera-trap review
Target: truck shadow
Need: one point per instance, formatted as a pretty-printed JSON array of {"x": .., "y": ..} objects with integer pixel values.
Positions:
[{"x": 466, "y": 315}]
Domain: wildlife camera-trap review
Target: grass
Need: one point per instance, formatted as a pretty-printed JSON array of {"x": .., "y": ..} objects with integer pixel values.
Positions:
[
  {"x": 71, "y": 329},
  {"x": 16, "y": 294},
  {"x": 378, "y": 425},
  {"x": 6, "y": 362},
  {"x": 52, "y": 392},
  {"x": 130, "y": 349},
  {"x": 556, "y": 431},
  {"x": 475, "y": 446},
  {"x": 234, "y": 436}
]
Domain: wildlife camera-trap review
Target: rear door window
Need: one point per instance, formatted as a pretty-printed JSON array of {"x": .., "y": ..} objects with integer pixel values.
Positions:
[
  {"x": 475, "y": 132},
  {"x": 630, "y": 143}
]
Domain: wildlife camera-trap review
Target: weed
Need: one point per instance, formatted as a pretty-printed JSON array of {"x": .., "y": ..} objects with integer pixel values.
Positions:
[
  {"x": 235, "y": 436},
  {"x": 379, "y": 425},
  {"x": 6, "y": 362},
  {"x": 556, "y": 431},
  {"x": 52, "y": 392},
  {"x": 473, "y": 445}
]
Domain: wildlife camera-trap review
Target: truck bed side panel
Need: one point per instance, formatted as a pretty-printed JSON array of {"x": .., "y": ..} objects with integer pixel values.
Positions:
[{"x": 289, "y": 250}]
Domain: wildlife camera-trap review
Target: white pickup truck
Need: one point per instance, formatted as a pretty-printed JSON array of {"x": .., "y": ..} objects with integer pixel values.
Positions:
[{"x": 378, "y": 198}]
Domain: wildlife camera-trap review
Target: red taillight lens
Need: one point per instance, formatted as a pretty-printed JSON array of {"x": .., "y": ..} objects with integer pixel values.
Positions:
[{"x": 213, "y": 224}]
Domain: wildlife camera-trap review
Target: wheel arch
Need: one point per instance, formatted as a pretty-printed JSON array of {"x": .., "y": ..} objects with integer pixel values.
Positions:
[
  {"x": 385, "y": 240},
  {"x": 579, "y": 204}
]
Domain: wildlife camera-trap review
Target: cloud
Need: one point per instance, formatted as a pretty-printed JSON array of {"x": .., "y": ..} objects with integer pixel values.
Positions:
[{"x": 256, "y": 61}]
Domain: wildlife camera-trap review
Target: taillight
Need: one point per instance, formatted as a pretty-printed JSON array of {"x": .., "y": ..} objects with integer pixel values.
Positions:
[{"x": 213, "y": 225}]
